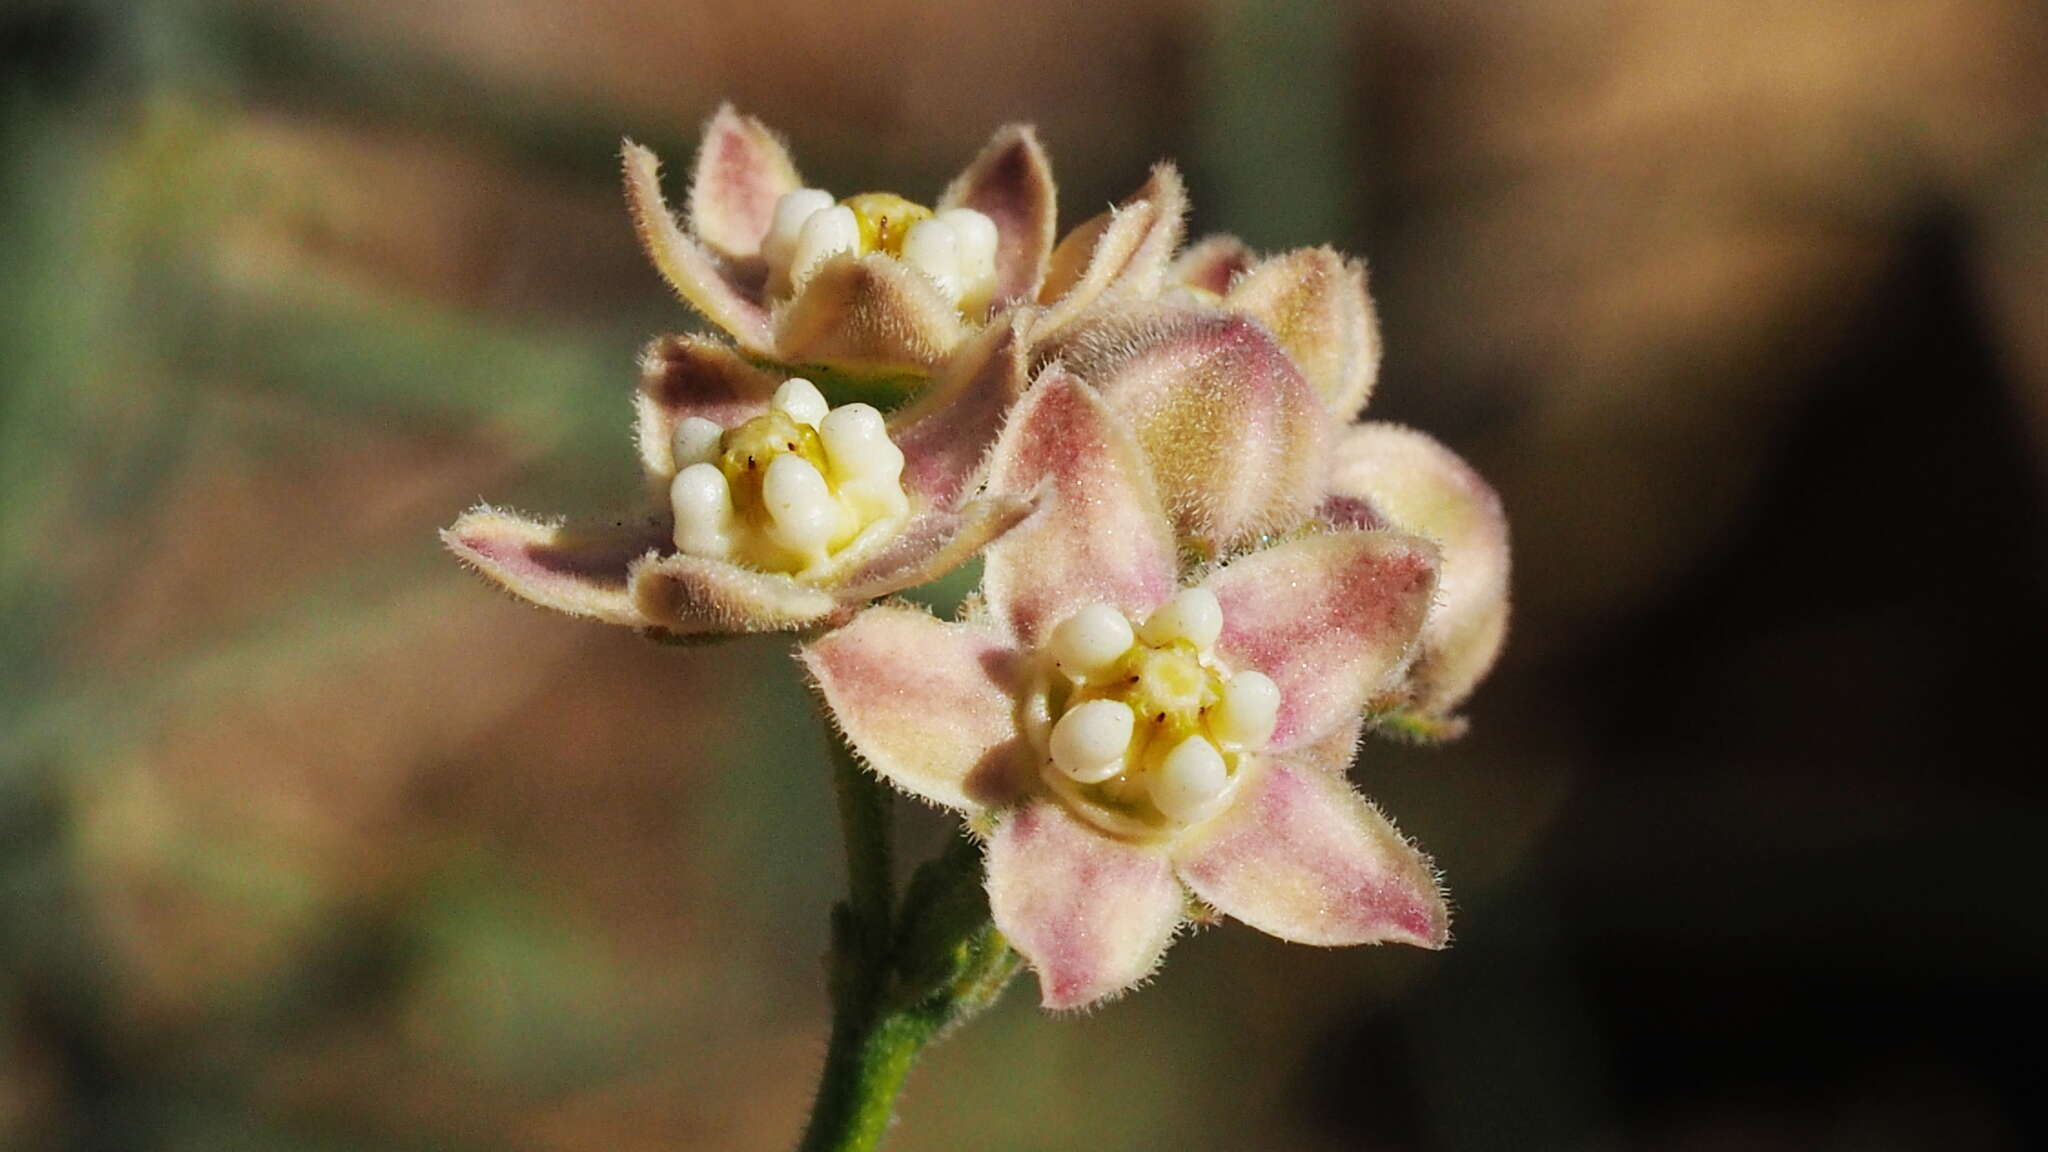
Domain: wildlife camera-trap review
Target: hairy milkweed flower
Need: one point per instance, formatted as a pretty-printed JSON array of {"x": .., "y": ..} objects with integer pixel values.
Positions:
[
  {"x": 1244, "y": 383},
  {"x": 1125, "y": 740},
  {"x": 775, "y": 510},
  {"x": 877, "y": 284}
]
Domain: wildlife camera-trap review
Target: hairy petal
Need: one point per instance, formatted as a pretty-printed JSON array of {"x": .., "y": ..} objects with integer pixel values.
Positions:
[
  {"x": 1316, "y": 303},
  {"x": 1100, "y": 533},
  {"x": 929, "y": 705},
  {"x": 742, "y": 170},
  {"x": 1093, "y": 915},
  {"x": 869, "y": 313},
  {"x": 684, "y": 376},
  {"x": 1331, "y": 618},
  {"x": 1420, "y": 486},
  {"x": 1121, "y": 255},
  {"x": 1010, "y": 182},
  {"x": 691, "y": 595},
  {"x": 1235, "y": 436},
  {"x": 933, "y": 543},
  {"x": 695, "y": 275},
  {"x": 1302, "y": 856},
  {"x": 946, "y": 433},
  {"x": 578, "y": 570},
  {"x": 1211, "y": 263}
]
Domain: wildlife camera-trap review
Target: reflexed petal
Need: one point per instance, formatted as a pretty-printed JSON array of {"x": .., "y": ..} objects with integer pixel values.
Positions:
[
  {"x": 869, "y": 313},
  {"x": 931, "y": 544},
  {"x": 684, "y": 376},
  {"x": 1211, "y": 263},
  {"x": 929, "y": 705},
  {"x": 1089, "y": 259},
  {"x": 1300, "y": 855},
  {"x": 1235, "y": 437},
  {"x": 1422, "y": 487},
  {"x": 1168, "y": 195},
  {"x": 1010, "y": 182},
  {"x": 1119, "y": 255},
  {"x": 1316, "y": 303},
  {"x": 947, "y": 432},
  {"x": 695, "y": 275},
  {"x": 1331, "y": 618},
  {"x": 690, "y": 595},
  {"x": 1092, "y": 914},
  {"x": 581, "y": 571},
  {"x": 742, "y": 170},
  {"x": 1100, "y": 534}
]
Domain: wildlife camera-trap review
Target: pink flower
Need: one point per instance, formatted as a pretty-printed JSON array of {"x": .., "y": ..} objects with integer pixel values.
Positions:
[
  {"x": 777, "y": 510},
  {"x": 1126, "y": 740},
  {"x": 877, "y": 284}
]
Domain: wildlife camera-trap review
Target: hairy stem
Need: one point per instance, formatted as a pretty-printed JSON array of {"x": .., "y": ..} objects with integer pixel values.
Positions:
[{"x": 898, "y": 979}]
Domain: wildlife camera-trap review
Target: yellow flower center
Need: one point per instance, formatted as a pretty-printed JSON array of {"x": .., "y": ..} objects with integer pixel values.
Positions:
[
  {"x": 1142, "y": 730},
  {"x": 787, "y": 490},
  {"x": 954, "y": 249}
]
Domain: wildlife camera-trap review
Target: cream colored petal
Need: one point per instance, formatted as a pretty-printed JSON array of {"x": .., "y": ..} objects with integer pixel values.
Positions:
[
  {"x": 1300, "y": 855},
  {"x": 694, "y": 596},
  {"x": 684, "y": 376},
  {"x": 1010, "y": 182},
  {"x": 742, "y": 170},
  {"x": 1100, "y": 534},
  {"x": 578, "y": 570},
  {"x": 871, "y": 314},
  {"x": 695, "y": 274},
  {"x": 1235, "y": 437},
  {"x": 947, "y": 432},
  {"x": 1211, "y": 263},
  {"x": 1420, "y": 486},
  {"x": 931, "y": 544},
  {"x": 1316, "y": 303},
  {"x": 1091, "y": 914},
  {"x": 1331, "y": 618},
  {"x": 930, "y": 706}
]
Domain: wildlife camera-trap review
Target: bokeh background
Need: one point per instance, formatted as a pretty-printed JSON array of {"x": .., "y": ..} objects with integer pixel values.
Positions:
[{"x": 310, "y": 841}]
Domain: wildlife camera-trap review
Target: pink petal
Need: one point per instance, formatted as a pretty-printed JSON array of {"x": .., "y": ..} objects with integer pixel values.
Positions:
[
  {"x": 947, "y": 431},
  {"x": 1235, "y": 436},
  {"x": 581, "y": 571},
  {"x": 1302, "y": 856},
  {"x": 1100, "y": 534},
  {"x": 1120, "y": 255},
  {"x": 693, "y": 596},
  {"x": 931, "y": 544},
  {"x": 930, "y": 706},
  {"x": 1211, "y": 263},
  {"x": 742, "y": 170},
  {"x": 1010, "y": 182},
  {"x": 1315, "y": 302},
  {"x": 1092, "y": 914},
  {"x": 684, "y": 376},
  {"x": 691, "y": 271},
  {"x": 1331, "y": 618},
  {"x": 1420, "y": 486},
  {"x": 1168, "y": 195},
  {"x": 872, "y": 313}
]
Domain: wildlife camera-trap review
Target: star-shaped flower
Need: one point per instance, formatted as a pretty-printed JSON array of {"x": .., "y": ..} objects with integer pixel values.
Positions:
[
  {"x": 876, "y": 284},
  {"x": 778, "y": 511},
  {"x": 1126, "y": 740}
]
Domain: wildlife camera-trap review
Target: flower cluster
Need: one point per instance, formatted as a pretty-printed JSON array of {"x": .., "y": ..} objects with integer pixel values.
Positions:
[{"x": 1203, "y": 576}]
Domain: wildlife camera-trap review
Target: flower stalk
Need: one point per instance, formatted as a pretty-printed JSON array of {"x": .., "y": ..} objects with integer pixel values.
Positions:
[{"x": 899, "y": 978}]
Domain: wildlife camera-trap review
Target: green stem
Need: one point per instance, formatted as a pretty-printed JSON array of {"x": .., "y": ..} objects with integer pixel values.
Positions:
[{"x": 896, "y": 985}]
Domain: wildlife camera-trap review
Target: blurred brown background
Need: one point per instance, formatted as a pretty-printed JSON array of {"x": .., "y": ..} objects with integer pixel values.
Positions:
[{"x": 309, "y": 841}]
